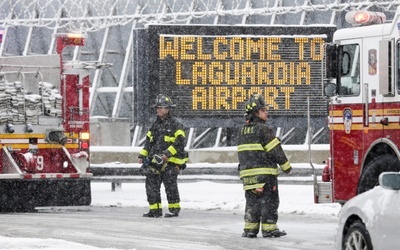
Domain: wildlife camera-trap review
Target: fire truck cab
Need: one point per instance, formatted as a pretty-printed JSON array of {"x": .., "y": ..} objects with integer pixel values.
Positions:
[{"x": 362, "y": 85}]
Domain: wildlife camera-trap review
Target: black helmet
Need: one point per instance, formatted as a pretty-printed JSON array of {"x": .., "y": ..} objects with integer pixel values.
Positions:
[
  {"x": 255, "y": 103},
  {"x": 163, "y": 101}
]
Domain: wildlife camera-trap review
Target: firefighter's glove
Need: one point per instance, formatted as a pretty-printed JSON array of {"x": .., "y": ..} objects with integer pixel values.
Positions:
[
  {"x": 289, "y": 171},
  {"x": 164, "y": 158},
  {"x": 183, "y": 166},
  {"x": 258, "y": 191}
]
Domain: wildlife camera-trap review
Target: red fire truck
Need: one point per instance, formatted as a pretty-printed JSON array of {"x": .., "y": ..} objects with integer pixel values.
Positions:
[
  {"x": 44, "y": 138},
  {"x": 363, "y": 88}
]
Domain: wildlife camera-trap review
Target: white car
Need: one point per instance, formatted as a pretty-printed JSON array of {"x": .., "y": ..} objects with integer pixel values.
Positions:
[{"x": 371, "y": 220}]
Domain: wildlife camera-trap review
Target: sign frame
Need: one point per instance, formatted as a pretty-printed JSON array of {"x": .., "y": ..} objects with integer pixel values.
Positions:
[{"x": 149, "y": 81}]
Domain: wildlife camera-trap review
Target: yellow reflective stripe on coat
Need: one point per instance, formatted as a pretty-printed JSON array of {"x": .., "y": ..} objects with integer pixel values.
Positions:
[
  {"x": 172, "y": 139},
  {"x": 254, "y": 186},
  {"x": 179, "y": 132},
  {"x": 150, "y": 136},
  {"x": 252, "y": 226},
  {"x": 144, "y": 152},
  {"x": 250, "y": 147},
  {"x": 268, "y": 227},
  {"x": 285, "y": 166},
  {"x": 174, "y": 205},
  {"x": 172, "y": 150},
  {"x": 272, "y": 144},
  {"x": 178, "y": 161},
  {"x": 169, "y": 139},
  {"x": 258, "y": 171}
]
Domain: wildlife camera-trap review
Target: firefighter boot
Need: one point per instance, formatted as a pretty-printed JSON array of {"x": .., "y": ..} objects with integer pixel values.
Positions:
[
  {"x": 173, "y": 212},
  {"x": 154, "y": 213},
  {"x": 273, "y": 233},
  {"x": 169, "y": 214},
  {"x": 248, "y": 234}
]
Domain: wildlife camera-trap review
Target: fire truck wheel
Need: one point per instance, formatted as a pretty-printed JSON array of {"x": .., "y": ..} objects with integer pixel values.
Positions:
[
  {"x": 370, "y": 176},
  {"x": 357, "y": 237}
]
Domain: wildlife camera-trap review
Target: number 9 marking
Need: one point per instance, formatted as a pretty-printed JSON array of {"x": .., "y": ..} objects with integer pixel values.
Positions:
[{"x": 39, "y": 162}]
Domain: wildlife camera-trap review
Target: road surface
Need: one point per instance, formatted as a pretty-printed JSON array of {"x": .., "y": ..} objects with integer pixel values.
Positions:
[{"x": 125, "y": 228}]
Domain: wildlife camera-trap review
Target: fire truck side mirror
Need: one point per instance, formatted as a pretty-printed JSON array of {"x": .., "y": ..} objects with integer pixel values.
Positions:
[
  {"x": 56, "y": 136},
  {"x": 330, "y": 89}
]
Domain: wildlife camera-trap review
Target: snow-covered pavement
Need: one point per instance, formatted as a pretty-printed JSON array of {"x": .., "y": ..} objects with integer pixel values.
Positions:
[{"x": 205, "y": 195}]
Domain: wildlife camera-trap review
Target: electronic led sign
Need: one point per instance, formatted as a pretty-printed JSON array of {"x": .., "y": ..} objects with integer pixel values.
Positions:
[{"x": 212, "y": 75}]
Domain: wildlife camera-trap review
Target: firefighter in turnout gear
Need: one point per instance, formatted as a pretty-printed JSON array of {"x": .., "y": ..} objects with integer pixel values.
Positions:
[
  {"x": 163, "y": 156},
  {"x": 260, "y": 153}
]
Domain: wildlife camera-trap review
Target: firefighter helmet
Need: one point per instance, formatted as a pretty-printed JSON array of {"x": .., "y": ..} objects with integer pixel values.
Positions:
[
  {"x": 163, "y": 101},
  {"x": 255, "y": 103}
]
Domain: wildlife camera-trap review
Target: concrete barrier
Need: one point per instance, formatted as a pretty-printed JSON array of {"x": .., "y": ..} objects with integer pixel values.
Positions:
[
  {"x": 295, "y": 154},
  {"x": 118, "y": 173}
]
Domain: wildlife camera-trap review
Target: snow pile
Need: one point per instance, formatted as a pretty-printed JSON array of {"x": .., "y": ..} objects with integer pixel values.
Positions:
[{"x": 208, "y": 195}]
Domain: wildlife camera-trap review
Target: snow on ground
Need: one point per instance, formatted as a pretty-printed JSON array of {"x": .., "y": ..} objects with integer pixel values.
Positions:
[
  {"x": 205, "y": 195},
  {"x": 42, "y": 244}
]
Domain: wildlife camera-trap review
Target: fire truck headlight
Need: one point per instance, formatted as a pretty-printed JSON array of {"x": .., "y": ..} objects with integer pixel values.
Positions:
[
  {"x": 84, "y": 136},
  {"x": 28, "y": 128},
  {"x": 10, "y": 128}
]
